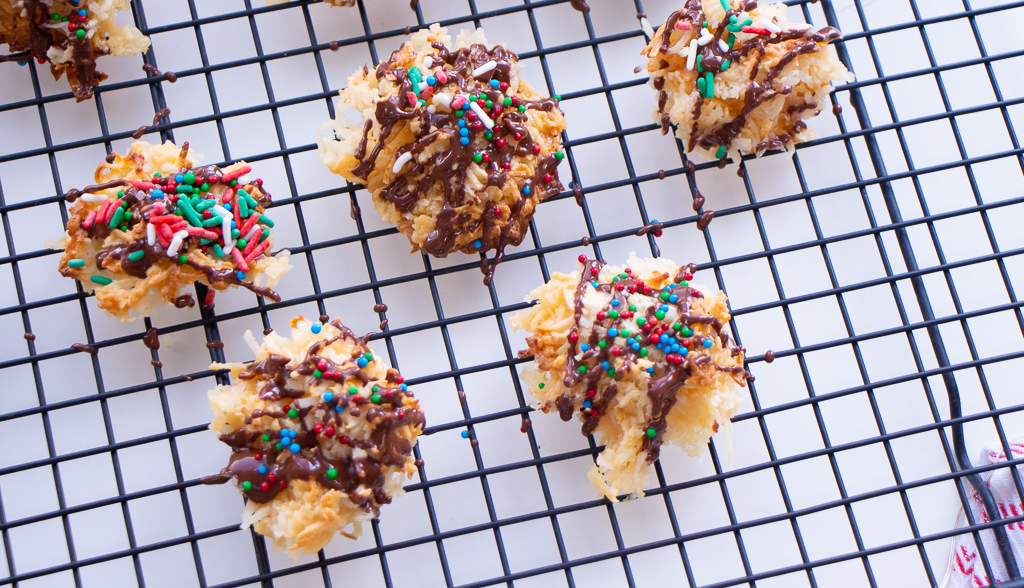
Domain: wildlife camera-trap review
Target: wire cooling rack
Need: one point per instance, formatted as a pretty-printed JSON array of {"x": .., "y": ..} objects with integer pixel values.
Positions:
[{"x": 880, "y": 263}]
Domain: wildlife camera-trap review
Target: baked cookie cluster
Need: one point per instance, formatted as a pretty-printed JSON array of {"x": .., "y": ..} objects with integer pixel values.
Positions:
[
  {"x": 70, "y": 35},
  {"x": 155, "y": 223},
  {"x": 321, "y": 434},
  {"x": 454, "y": 147},
  {"x": 639, "y": 355},
  {"x": 737, "y": 77}
]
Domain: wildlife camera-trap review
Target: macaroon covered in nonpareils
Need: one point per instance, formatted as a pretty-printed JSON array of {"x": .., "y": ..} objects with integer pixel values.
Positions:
[
  {"x": 321, "y": 434},
  {"x": 70, "y": 35},
  {"x": 639, "y": 355},
  {"x": 453, "y": 145},
  {"x": 156, "y": 222},
  {"x": 736, "y": 77}
]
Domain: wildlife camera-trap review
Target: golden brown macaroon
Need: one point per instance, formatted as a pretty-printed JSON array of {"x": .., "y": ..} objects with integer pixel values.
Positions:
[
  {"x": 321, "y": 433},
  {"x": 454, "y": 147},
  {"x": 736, "y": 77},
  {"x": 640, "y": 355},
  {"x": 71, "y": 35},
  {"x": 155, "y": 223}
]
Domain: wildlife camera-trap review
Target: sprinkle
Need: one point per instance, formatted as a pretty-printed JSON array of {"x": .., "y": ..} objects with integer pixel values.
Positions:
[
  {"x": 483, "y": 116},
  {"x": 101, "y": 280},
  {"x": 315, "y": 327},
  {"x": 93, "y": 198},
  {"x": 428, "y": 62},
  {"x": 723, "y": 46},
  {"x": 767, "y": 24},
  {"x": 701, "y": 85},
  {"x": 136, "y": 255},
  {"x": 362, "y": 362},
  {"x": 478, "y": 244},
  {"x": 705, "y": 37},
  {"x": 692, "y": 57},
  {"x": 650, "y": 431},
  {"x": 756, "y": 30},
  {"x": 709, "y": 84},
  {"x": 725, "y": 64},
  {"x": 708, "y": 343},
  {"x": 490, "y": 65},
  {"x": 332, "y": 473},
  {"x": 246, "y": 485},
  {"x": 175, "y": 245},
  {"x": 721, "y": 152},
  {"x": 683, "y": 25},
  {"x": 465, "y": 434},
  {"x": 294, "y": 448},
  {"x": 76, "y": 263},
  {"x": 646, "y": 27},
  {"x": 234, "y": 175}
]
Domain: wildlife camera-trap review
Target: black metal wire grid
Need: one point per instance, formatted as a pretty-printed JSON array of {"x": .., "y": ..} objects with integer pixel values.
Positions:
[{"x": 892, "y": 233}]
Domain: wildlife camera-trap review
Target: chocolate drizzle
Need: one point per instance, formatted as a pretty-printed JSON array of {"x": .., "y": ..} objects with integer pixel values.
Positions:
[
  {"x": 162, "y": 113},
  {"x": 151, "y": 339},
  {"x": 169, "y": 76},
  {"x": 581, "y": 5},
  {"x": 762, "y": 85},
  {"x": 355, "y": 466},
  {"x": 587, "y": 381},
  {"x": 450, "y": 161}
]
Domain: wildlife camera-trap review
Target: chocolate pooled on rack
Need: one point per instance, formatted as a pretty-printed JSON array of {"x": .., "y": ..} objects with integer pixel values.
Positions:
[
  {"x": 154, "y": 224},
  {"x": 71, "y": 35},
  {"x": 454, "y": 147},
  {"x": 737, "y": 77},
  {"x": 321, "y": 434},
  {"x": 640, "y": 355}
]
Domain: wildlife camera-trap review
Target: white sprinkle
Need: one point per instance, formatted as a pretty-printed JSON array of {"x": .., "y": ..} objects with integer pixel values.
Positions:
[
  {"x": 428, "y": 62},
  {"x": 485, "y": 68},
  {"x": 483, "y": 115},
  {"x": 431, "y": 109},
  {"x": 244, "y": 181},
  {"x": 401, "y": 161},
  {"x": 723, "y": 46},
  {"x": 150, "y": 234},
  {"x": 443, "y": 100},
  {"x": 422, "y": 86},
  {"x": 767, "y": 24},
  {"x": 692, "y": 57},
  {"x": 93, "y": 198},
  {"x": 799, "y": 26},
  {"x": 705, "y": 37},
  {"x": 225, "y": 228},
  {"x": 742, "y": 17},
  {"x": 645, "y": 26},
  {"x": 176, "y": 241},
  {"x": 255, "y": 229},
  {"x": 220, "y": 210}
]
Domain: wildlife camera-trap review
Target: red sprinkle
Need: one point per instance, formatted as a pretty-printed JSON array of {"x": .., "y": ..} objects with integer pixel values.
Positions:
[
  {"x": 497, "y": 212},
  {"x": 329, "y": 431},
  {"x": 548, "y": 178},
  {"x": 582, "y": 258},
  {"x": 271, "y": 478},
  {"x": 499, "y": 143},
  {"x": 344, "y": 440},
  {"x": 283, "y": 484},
  {"x": 756, "y": 30},
  {"x": 321, "y": 365},
  {"x": 258, "y": 456},
  {"x": 357, "y": 398},
  {"x": 265, "y": 486},
  {"x": 536, "y": 149},
  {"x": 574, "y": 337},
  {"x": 591, "y": 393}
]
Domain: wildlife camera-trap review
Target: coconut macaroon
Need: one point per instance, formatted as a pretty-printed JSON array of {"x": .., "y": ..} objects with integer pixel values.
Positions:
[
  {"x": 321, "y": 434},
  {"x": 454, "y": 147},
  {"x": 71, "y": 35},
  {"x": 642, "y": 358},
  {"x": 736, "y": 77},
  {"x": 154, "y": 224}
]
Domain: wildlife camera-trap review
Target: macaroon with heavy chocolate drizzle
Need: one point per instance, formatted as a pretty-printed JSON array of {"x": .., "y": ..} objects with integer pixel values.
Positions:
[
  {"x": 163, "y": 223},
  {"x": 70, "y": 35},
  {"x": 454, "y": 147},
  {"x": 737, "y": 77},
  {"x": 640, "y": 355},
  {"x": 317, "y": 423}
]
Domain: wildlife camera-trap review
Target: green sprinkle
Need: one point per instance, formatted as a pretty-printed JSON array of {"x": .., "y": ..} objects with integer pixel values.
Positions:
[
  {"x": 641, "y": 321},
  {"x": 700, "y": 86},
  {"x": 368, "y": 356},
  {"x": 663, "y": 295},
  {"x": 488, "y": 135},
  {"x": 120, "y": 194},
  {"x": 731, "y": 39},
  {"x": 235, "y": 233},
  {"x": 248, "y": 199},
  {"x": 521, "y": 108},
  {"x": 721, "y": 152},
  {"x": 233, "y": 183},
  {"x": 709, "y": 85},
  {"x": 80, "y": 33},
  {"x": 677, "y": 326},
  {"x": 687, "y": 331},
  {"x": 278, "y": 446},
  {"x": 506, "y": 101},
  {"x": 205, "y": 203},
  {"x": 726, "y": 64},
  {"x": 375, "y": 399},
  {"x": 266, "y": 437},
  {"x": 375, "y": 388},
  {"x": 101, "y": 280},
  {"x": 293, "y": 414},
  {"x": 183, "y": 189},
  {"x": 188, "y": 213},
  {"x": 136, "y": 255},
  {"x": 650, "y": 431},
  {"x": 732, "y": 19},
  {"x": 726, "y": 7},
  {"x": 205, "y": 241},
  {"x": 624, "y": 333},
  {"x": 332, "y": 473},
  {"x": 602, "y": 344},
  {"x": 557, "y": 97},
  {"x": 352, "y": 390},
  {"x": 643, "y": 352},
  {"x": 660, "y": 314},
  {"x": 477, "y": 157},
  {"x": 117, "y": 218},
  {"x": 242, "y": 243},
  {"x": 182, "y": 259},
  {"x": 541, "y": 385},
  {"x": 246, "y": 485},
  {"x": 266, "y": 233},
  {"x": 266, "y": 221},
  {"x": 700, "y": 65},
  {"x": 318, "y": 374},
  {"x": 205, "y": 187},
  {"x": 56, "y": 17},
  {"x": 613, "y": 313},
  {"x": 190, "y": 178},
  {"x": 76, "y": 263},
  {"x": 213, "y": 221},
  {"x": 735, "y": 28},
  {"x": 611, "y": 373},
  {"x": 218, "y": 250},
  {"x": 583, "y": 369}
]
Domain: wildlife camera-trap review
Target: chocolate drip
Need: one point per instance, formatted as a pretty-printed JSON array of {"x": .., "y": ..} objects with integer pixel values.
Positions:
[
  {"x": 582, "y": 6},
  {"x": 705, "y": 219},
  {"x": 769, "y": 356},
  {"x": 380, "y": 307},
  {"x": 651, "y": 227},
  {"x": 169, "y": 76},
  {"x": 151, "y": 339},
  {"x": 86, "y": 348},
  {"x": 163, "y": 112},
  {"x": 73, "y": 194}
]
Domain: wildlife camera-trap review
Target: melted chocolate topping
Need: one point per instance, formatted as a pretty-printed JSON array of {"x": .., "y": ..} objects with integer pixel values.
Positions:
[
  {"x": 316, "y": 428},
  {"x": 510, "y": 142},
  {"x": 586, "y": 379},
  {"x": 761, "y": 86}
]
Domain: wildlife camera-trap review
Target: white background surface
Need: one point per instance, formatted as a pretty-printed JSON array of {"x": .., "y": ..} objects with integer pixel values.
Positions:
[{"x": 176, "y": 450}]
